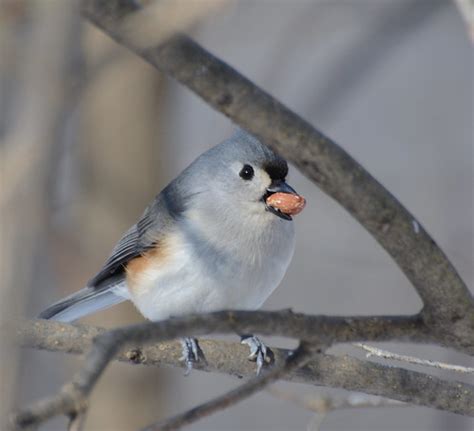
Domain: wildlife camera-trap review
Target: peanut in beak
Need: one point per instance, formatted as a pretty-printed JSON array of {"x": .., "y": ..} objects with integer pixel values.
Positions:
[{"x": 287, "y": 203}]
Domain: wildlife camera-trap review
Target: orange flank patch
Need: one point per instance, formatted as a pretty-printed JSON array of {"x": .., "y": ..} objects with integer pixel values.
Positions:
[{"x": 141, "y": 270}]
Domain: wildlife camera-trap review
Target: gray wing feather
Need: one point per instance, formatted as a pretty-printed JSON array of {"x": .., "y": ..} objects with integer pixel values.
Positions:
[{"x": 132, "y": 244}]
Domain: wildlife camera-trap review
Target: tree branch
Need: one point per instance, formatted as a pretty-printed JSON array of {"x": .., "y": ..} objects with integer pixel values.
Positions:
[
  {"x": 447, "y": 300},
  {"x": 343, "y": 372}
]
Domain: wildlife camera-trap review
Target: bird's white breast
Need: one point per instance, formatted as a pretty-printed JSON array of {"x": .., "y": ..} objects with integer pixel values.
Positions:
[{"x": 201, "y": 270}]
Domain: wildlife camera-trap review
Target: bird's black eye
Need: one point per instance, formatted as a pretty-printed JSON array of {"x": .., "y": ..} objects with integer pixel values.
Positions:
[{"x": 247, "y": 172}]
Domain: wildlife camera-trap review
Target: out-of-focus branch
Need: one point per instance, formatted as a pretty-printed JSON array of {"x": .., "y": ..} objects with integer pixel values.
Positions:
[
  {"x": 40, "y": 48},
  {"x": 323, "y": 405},
  {"x": 159, "y": 20},
  {"x": 466, "y": 9},
  {"x": 447, "y": 300},
  {"x": 362, "y": 57},
  {"x": 379, "y": 353}
]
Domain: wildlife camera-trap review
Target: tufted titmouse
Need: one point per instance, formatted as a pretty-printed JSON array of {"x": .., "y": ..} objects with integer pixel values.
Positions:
[{"x": 215, "y": 238}]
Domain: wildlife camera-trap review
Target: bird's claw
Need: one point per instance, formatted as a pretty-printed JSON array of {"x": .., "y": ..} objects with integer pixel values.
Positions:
[
  {"x": 192, "y": 353},
  {"x": 259, "y": 353}
]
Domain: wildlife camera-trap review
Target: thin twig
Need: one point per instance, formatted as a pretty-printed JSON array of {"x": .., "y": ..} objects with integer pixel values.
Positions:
[
  {"x": 374, "y": 351},
  {"x": 294, "y": 361}
]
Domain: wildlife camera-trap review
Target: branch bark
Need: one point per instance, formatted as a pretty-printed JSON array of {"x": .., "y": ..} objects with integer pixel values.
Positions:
[{"x": 328, "y": 370}]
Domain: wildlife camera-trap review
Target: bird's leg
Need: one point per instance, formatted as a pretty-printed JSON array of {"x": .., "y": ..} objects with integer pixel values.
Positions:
[
  {"x": 259, "y": 353},
  {"x": 192, "y": 353}
]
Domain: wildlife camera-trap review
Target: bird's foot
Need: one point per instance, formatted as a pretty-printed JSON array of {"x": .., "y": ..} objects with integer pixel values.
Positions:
[
  {"x": 192, "y": 353},
  {"x": 259, "y": 353}
]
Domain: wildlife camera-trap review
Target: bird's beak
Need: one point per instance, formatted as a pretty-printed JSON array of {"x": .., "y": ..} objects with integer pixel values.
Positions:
[{"x": 282, "y": 200}]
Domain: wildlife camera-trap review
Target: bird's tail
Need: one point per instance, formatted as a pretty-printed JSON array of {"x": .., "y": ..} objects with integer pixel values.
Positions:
[{"x": 85, "y": 301}]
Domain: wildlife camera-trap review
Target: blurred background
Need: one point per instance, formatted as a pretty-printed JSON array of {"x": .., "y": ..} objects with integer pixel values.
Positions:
[{"x": 89, "y": 133}]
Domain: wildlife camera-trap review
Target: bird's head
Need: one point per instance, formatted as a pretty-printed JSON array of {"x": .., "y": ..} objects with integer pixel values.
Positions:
[{"x": 245, "y": 177}]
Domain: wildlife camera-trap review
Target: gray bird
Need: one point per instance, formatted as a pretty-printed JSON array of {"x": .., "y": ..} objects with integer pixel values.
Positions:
[{"x": 219, "y": 236}]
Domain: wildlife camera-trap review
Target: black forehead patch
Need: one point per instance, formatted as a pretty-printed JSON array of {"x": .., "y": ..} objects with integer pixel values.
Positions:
[{"x": 276, "y": 169}]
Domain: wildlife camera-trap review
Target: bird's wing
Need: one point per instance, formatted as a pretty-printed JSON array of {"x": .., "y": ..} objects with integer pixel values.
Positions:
[{"x": 134, "y": 243}]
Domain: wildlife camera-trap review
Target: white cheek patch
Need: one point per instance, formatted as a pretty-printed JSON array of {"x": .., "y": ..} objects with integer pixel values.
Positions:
[{"x": 262, "y": 179}]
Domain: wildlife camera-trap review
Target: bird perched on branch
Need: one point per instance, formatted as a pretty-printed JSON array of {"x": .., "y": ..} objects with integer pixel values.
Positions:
[{"x": 219, "y": 236}]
